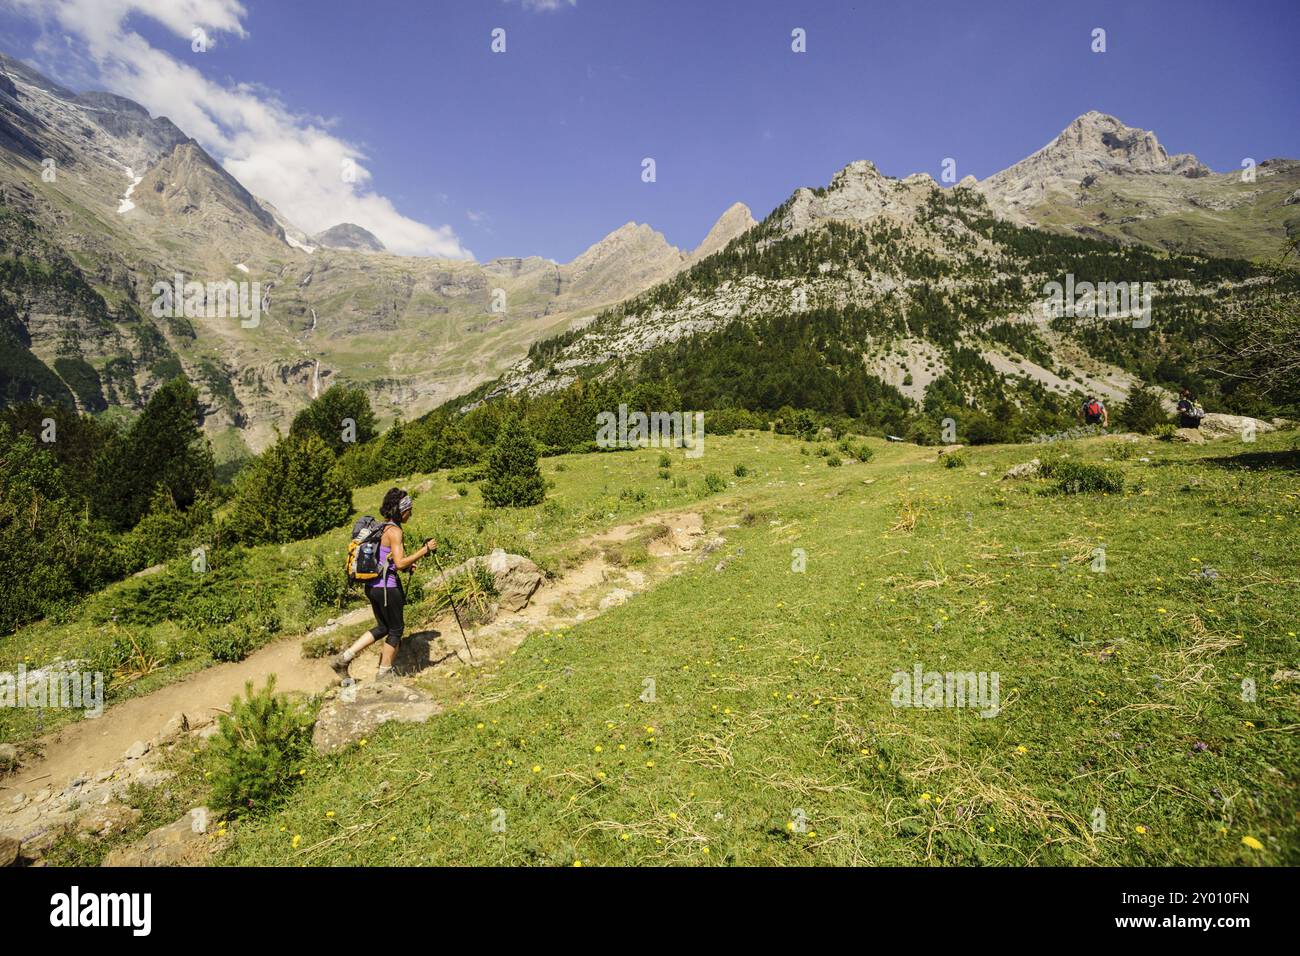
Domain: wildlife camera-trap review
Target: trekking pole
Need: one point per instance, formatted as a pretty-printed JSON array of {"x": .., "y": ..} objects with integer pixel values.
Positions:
[{"x": 452, "y": 601}]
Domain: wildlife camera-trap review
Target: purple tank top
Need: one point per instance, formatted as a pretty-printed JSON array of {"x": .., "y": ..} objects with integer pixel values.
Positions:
[{"x": 390, "y": 579}]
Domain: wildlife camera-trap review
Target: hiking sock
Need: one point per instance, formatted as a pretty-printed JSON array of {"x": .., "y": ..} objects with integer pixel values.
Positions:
[
  {"x": 347, "y": 657},
  {"x": 382, "y": 672}
]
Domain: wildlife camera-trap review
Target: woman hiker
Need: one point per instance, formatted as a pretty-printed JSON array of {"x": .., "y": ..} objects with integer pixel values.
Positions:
[{"x": 385, "y": 592}]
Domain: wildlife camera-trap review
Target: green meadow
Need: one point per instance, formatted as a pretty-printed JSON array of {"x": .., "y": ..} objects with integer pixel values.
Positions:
[
  {"x": 1144, "y": 642},
  {"x": 1124, "y": 734}
]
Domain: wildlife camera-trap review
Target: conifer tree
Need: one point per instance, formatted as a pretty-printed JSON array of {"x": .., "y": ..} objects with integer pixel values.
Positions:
[
  {"x": 514, "y": 479},
  {"x": 341, "y": 417},
  {"x": 164, "y": 448},
  {"x": 292, "y": 491}
]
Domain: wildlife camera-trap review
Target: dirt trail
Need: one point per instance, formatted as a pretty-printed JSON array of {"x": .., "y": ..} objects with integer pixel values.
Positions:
[{"x": 87, "y": 747}]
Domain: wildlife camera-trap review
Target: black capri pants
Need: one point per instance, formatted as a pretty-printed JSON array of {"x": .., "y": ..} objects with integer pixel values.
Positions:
[{"x": 388, "y": 604}]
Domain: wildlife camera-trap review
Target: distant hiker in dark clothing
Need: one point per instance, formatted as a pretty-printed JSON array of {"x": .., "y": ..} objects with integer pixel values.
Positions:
[
  {"x": 1093, "y": 412},
  {"x": 1190, "y": 412},
  {"x": 385, "y": 593}
]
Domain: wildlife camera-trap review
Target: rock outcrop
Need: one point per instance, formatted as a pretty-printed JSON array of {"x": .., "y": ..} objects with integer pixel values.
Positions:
[
  {"x": 8, "y": 758},
  {"x": 1026, "y": 469},
  {"x": 1219, "y": 425},
  {"x": 356, "y": 711},
  {"x": 9, "y": 847},
  {"x": 108, "y": 819},
  {"x": 515, "y": 577},
  {"x": 93, "y": 805},
  {"x": 859, "y": 193},
  {"x": 184, "y": 842}
]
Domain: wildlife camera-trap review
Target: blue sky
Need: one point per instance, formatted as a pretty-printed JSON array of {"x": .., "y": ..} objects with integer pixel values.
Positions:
[{"x": 538, "y": 150}]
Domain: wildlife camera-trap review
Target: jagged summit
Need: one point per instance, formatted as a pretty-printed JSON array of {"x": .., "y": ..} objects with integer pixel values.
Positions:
[
  {"x": 629, "y": 237},
  {"x": 129, "y": 121},
  {"x": 1091, "y": 145},
  {"x": 736, "y": 221},
  {"x": 635, "y": 255},
  {"x": 1102, "y": 141},
  {"x": 858, "y": 193}
]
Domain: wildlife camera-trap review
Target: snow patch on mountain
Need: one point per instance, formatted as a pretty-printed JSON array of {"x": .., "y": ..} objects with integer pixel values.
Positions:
[{"x": 126, "y": 205}]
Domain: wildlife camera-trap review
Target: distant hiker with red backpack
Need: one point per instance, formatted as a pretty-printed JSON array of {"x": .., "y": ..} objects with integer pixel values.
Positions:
[
  {"x": 375, "y": 556},
  {"x": 1093, "y": 412}
]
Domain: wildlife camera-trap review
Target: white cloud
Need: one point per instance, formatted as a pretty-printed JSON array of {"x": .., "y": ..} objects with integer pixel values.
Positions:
[{"x": 287, "y": 158}]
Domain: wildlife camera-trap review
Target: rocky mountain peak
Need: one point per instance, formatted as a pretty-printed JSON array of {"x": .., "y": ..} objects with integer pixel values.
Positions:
[
  {"x": 348, "y": 235},
  {"x": 1092, "y": 144},
  {"x": 860, "y": 170},
  {"x": 630, "y": 258},
  {"x": 635, "y": 232},
  {"x": 142, "y": 138},
  {"x": 631, "y": 238},
  {"x": 736, "y": 221},
  {"x": 1101, "y": 140},
  {"x": 189, "y": 185},
  {"x": 858, "y": 193}
]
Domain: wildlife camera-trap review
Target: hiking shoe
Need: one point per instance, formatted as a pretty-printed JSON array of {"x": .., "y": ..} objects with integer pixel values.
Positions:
[
  {"x": 340, "y": 666},
  {"x": 385, "y": 674}
]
